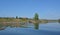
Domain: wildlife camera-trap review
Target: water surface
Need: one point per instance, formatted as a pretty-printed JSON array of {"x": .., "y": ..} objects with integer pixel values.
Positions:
[{"x": 30, "y": 29}]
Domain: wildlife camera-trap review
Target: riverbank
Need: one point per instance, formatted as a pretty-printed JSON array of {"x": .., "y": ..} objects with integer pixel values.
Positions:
[{"x": 25, "y": 20}]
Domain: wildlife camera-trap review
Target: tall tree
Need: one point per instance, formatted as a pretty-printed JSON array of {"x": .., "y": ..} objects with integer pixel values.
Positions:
[
  {"x": 36, "y": 16},
  {"x": 36, "y": 23}
]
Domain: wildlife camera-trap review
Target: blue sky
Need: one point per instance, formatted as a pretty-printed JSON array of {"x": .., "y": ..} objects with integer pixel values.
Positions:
[{"x": 47, "y": 9}]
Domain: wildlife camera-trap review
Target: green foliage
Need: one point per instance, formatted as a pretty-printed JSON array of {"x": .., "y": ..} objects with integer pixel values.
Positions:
[
  {"x": 36, "y": 16},
  {"x": 16, "y": 17}
]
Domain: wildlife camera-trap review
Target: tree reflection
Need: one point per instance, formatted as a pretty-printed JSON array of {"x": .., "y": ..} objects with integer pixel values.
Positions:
[
  {"x": 3, "y": 26},
  {"x": 36, "y": 25}
]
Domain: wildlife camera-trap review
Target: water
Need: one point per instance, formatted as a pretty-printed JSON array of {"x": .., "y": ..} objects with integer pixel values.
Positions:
[{"x": 30, "y": 29}]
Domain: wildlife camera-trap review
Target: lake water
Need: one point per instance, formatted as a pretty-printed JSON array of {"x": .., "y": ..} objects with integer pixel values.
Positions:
[{"x": 31, "y": 29}]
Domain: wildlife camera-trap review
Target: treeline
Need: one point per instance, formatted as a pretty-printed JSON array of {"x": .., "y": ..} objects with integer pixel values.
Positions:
[{"x": 13, "y": 18}]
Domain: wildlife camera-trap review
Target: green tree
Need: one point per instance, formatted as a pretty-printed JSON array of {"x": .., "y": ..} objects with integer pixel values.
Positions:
[
  {"x": 36, "y": 23},
  {"x": 16, "y": 17},
  {"x": 36, "y": 16}
]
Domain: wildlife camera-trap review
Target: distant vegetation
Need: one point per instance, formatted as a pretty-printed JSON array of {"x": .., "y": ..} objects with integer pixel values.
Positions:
[{"x": 22, "y": 19}]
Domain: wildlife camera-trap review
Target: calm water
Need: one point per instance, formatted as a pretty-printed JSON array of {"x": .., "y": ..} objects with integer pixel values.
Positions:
[{"x": 30, "y": 29}]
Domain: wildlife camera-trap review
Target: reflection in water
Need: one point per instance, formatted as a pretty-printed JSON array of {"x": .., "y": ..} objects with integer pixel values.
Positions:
[
  {"x": 23, "y": 25},
  {"x": 47, "y": 29},
  {"x": 11, "y": 25},
  {"x": 36, "y": 25},
  {"x": 2, "y": 27}
]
